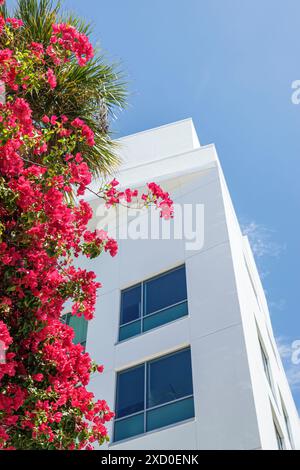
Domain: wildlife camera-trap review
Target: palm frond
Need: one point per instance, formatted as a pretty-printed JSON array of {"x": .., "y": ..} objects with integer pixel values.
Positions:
[
  {"x": 92, "y": 92},
  {"x": 38, "y": 17}
]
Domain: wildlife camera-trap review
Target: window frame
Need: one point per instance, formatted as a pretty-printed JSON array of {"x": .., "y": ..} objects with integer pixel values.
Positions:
[
  {"x": 267, "y": 368},
  {"x": 141, "y": 304},
  {"x": 147, "y": 409},
  {"x": 250, "y": 276},
  {"x": 266, "y": 364},
  {"x": 287, "y": 423},
  {"x": 279, "y": 437},
  {"x": 143, "y": 316},
  {"x": 137, "y": 366}
]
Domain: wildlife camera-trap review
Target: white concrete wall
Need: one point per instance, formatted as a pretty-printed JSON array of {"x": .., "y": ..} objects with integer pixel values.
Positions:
[
  {"x": 269, "y": 401},
  {"x": 158, "y": 143},
  {"x": 232, "y": 399}
]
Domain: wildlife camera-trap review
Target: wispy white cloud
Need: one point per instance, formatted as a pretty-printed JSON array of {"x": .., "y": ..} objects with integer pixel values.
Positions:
[
  {"x": 279, "y": 305},
  {"x": 261, "y": 239},
  {"x": 286, "y": 350},
  {"x": 264, "y": 246},
  {"x": 293, "y": 376},
  {"x": 284, "y": 347}
]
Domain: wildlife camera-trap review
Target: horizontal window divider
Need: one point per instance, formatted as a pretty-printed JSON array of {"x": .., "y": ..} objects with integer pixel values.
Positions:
[
  {"x": 169, "y": 402},
  {"x": 112, "y": 444},
  {"x": 165, "y": 308},
  {"x": 132, "y": 321},
  {"x": 130, "y": 416},
  {"x": 145, "y": 410},
  {"x": 119, "y": 341},
  {"x": 153, "y": 313}
]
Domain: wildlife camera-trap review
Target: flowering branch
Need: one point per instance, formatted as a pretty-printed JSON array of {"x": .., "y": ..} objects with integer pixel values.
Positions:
[{"x": 44, "y": 400}]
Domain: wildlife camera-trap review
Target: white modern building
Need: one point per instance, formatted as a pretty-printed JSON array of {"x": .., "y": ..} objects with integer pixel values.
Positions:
[{"x": 182, "y": 324}]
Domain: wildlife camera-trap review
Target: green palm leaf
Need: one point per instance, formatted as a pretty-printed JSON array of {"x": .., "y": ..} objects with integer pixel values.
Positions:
[{"x": 92, "y": 92}]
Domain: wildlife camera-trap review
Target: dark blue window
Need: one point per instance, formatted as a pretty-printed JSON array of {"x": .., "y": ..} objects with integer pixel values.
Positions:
[
  {"x": 154, "y": 395},
  {"x": 167, "y": 289},
  {"x": 152, "y": 303},
  {"x": 169, "y": 378},
  {"x": 131, "y": 304},
  {"x": 130, "y": 391}
]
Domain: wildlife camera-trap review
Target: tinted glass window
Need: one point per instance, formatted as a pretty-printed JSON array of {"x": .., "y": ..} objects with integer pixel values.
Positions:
[
  {"x": 129, "y": 427},
  {"x": 279, "y": 439},
  {"x": 288, "y": 426},
  {"x": 79, "y": 325},
  {"x": 170, "y": 413},
  {"x": 131, "y": 304},
  {"x": 266, "y": 364},
  {"x": 168, "y": 382},
  {"x": 169, "y": 378},
  {"x": 165, "y": 290},
  {"x": 130, "y": 391}
]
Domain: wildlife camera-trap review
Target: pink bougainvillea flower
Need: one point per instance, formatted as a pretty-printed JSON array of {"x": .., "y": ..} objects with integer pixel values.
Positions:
[{"x": 51, "y": 78}]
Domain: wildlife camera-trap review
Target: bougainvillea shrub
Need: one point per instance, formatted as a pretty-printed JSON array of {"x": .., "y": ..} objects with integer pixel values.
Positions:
[{"x": 44, "y": 398}]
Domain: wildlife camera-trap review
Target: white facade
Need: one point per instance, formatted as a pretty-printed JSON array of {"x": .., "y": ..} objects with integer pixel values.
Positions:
[{"x": 235, "y": 407}]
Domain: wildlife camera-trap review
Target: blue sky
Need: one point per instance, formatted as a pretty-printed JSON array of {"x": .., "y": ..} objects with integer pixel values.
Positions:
[{"x": 229, "y": 65}]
